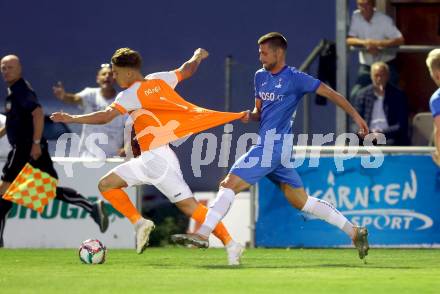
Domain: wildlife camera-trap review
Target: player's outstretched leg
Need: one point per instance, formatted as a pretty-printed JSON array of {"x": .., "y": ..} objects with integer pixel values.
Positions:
[
  {"x": 96, "y": 210},
  {"x": 216, "y": 212},
  {"x": 327, "y": 212},
  {"x": 110, "y": 187},
  {"x": 231, "y": 185},
  {"x": 197, "y": 212}
]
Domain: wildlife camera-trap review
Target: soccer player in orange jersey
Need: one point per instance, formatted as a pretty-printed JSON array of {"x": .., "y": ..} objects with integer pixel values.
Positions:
[{"x": 157, "y": 165}]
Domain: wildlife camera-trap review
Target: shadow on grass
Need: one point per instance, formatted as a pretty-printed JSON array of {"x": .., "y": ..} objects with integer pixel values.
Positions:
[{"x": 316, "y": 266}]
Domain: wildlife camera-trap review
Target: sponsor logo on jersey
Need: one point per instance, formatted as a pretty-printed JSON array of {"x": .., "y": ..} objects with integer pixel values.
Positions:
[
  {"x": 150, "y": 91},
  {"x": 270, "y": 96}
]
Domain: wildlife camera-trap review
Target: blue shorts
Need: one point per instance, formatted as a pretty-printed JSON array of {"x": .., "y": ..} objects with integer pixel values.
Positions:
[{"x": 255, "y": 164}]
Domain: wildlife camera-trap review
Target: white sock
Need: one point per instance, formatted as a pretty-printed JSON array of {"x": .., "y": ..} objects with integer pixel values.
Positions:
[
  {"x": 231, "y": 244},
  {"x": 217, "y": 211},
  {"x": 325, "y": 211}
]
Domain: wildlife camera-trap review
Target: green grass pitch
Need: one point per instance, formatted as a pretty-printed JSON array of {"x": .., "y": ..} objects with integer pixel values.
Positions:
[{"x": 181, "y": 270}]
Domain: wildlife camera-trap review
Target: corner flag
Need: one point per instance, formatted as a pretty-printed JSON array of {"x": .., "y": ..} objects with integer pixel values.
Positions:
[{"x": 32, "y": 188}]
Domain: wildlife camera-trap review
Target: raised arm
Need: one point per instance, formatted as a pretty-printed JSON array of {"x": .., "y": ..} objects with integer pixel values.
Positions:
[
  {"x": 94, "y": 118},
  {"x": 340, "y": 101},
  {"x": 60, "y": 93},
  {"x": 190, "y": 67}
]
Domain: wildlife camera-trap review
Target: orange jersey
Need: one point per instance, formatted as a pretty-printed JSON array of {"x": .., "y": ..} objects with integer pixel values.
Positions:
[{"x": 160, "y": 115}]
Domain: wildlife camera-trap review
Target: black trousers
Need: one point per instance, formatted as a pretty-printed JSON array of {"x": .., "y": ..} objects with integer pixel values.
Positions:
[
  {"x": 17, "y": 158},
  {"x": 20, "y": 155}
]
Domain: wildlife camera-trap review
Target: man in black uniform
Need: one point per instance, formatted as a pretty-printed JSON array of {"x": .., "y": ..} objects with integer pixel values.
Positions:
[{"x": 24, "y": 129}]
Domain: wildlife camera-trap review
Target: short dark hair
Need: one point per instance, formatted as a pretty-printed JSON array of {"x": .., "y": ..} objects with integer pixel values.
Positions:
[
  {"x": 126, "y": 57},
  {"x": 274, "y": 39}
]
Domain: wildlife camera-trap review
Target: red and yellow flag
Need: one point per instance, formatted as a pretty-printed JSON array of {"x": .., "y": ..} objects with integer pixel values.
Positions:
[{"x": 32, "y": 188}]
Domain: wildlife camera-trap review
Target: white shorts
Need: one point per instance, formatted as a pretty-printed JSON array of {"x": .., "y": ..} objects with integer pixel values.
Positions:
[{"x": 158, "y": 167}]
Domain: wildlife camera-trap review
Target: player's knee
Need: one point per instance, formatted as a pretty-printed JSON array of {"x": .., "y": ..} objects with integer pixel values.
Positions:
[
  {"x": 227, "y": 183},
  {"x": 105, "y": 184},
  {"x": 233, "y": 183}
]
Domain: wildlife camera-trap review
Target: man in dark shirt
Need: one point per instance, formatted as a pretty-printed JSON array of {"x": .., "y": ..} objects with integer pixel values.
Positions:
[{"x": 24, "y": 129}]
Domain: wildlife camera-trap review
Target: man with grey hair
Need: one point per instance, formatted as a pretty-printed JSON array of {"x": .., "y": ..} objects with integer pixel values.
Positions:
[
  {"x": 376, "y": 34},
  {"x": 433, "y": 63},
  {"x": 24, "y": 130},
  {"x": 384, "y": 107}
]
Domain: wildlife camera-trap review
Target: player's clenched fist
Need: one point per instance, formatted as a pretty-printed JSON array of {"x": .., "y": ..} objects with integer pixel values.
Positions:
[{"x": 201, "y": 53}]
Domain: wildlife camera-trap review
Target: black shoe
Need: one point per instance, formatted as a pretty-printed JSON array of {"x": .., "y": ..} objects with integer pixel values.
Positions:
[{"x": 99, "y": 215}]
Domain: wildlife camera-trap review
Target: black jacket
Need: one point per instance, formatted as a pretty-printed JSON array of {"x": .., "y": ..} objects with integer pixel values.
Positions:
[
  {"x": 19, "y": 105},
  {"x": 396, "y": 111}
]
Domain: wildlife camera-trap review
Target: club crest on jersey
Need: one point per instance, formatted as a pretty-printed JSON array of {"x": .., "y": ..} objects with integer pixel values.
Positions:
[{"x": 278, "y": 86}]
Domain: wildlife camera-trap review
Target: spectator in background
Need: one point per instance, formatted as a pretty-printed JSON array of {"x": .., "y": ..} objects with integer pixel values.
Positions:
[
  {"x": 4, "y": 144},
  {"x": 24, "y": 130},
  {"x": 384, "y": 107},
  {"x": 91, "y": 100},
  {"x": 433, "y": 63},
  {"x": 375, "y": 32}
]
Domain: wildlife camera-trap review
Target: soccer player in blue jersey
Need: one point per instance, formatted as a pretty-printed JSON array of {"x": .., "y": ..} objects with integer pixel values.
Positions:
[
  {"x": 278, "y": 90},
  {"x": 433, "y": 63}
]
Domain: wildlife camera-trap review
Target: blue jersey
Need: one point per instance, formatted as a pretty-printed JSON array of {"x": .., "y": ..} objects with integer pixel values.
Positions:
[
  {"x": 434, "y": 103},
  {"x": 280, "y": 94}
]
